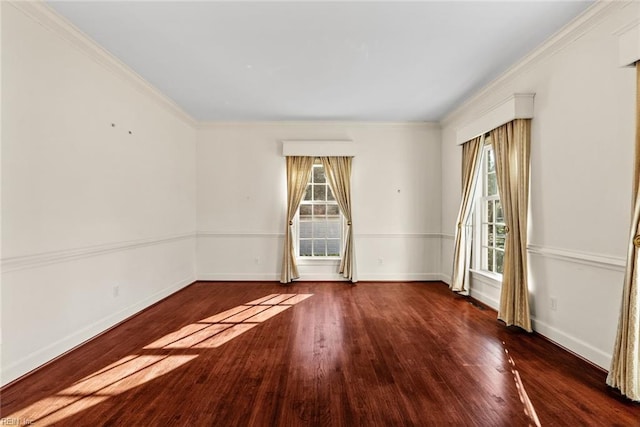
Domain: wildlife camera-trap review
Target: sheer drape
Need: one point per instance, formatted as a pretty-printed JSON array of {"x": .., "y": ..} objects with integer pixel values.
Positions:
[
  {"x": 511, "y": 145},
  {"x": 625, "y": 364},
  {"x": 298, "y": 173},
  {"x": 338, "y": 172},
  {"x": 471, "y": 155}
]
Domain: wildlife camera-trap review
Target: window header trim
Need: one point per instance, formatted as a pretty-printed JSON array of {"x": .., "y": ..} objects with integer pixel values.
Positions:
[
  {"x": 517, "y": 106},
  {"x": 319, "y": 148}
]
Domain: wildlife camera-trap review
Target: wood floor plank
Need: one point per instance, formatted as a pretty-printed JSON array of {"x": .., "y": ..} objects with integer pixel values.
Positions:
[{"x": 330, "y": 354}]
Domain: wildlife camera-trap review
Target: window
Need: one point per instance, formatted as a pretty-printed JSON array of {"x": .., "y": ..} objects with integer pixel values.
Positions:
[
  {"x": 489, "y": 223},
  {"x": 320, "y": 223}
]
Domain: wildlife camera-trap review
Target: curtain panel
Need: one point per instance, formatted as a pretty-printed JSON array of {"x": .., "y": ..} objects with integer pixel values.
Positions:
[
  {"x": 624, "y": 373},
  {"x": 512, "y": 145},
  {"x": 298, "y": 174},
  {"x": 338, "y": 172},
  {"x": 471, "y": 155}
]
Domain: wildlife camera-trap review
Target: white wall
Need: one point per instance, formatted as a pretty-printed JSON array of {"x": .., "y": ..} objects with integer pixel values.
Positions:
[
  {"x": 581, "y": 168},
  {"x": 242, "y": 194},
  {"x": 87, "y": 207}
]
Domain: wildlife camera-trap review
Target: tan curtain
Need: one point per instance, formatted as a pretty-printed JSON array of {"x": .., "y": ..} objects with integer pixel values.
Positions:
[
  {"x": 511, "y": 145},
  {"x": 338, "y": 172},
  {"x": 298, "y": 173},
  {"x": 625, "y": 363},
  {"x": 471, "y": 155}
]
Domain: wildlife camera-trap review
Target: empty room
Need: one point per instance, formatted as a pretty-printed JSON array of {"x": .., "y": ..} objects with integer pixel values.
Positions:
[{"x": 230, "y": 213}]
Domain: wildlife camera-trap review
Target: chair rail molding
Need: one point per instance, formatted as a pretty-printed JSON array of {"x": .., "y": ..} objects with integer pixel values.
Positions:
[
  {"x": 63, "y": 255},
  {"x": 593, "y": 260},
  {"x": 225, "y": 235}
]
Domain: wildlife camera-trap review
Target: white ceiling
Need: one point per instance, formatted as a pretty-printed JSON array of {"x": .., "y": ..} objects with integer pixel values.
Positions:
[{"x": 378, "y": 61}]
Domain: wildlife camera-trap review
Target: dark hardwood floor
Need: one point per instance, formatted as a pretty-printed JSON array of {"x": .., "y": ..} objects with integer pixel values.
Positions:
[{"x": 374, "y": 354}]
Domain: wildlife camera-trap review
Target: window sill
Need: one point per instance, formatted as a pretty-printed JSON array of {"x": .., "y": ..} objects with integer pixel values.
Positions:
[
  {"x": 492, "y": 279},
  {"x": 318, "y": 261}
]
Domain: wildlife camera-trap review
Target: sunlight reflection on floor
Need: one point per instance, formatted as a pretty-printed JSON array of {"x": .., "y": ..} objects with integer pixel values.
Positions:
[
  {"x": 137, "y": 369},
  {"x": 529, "y": 410}
]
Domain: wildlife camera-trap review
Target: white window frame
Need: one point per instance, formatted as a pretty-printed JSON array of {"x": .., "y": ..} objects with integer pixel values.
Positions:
[
  {"x": 296, "y": 228},
  {"x": 480, "y": 237}
]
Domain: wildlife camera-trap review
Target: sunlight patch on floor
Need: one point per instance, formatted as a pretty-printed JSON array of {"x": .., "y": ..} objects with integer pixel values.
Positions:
[
  {"x": 220, "y": 328},
  {"x": 136, "y": 369},
  {"x": 529, "y": 410},
  {"x": 127, "y": 373}
]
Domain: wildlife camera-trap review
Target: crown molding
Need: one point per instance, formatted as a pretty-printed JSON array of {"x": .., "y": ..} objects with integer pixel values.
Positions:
[
  {"x": 49, "y": 19},
  {"x": 560, "y": 40},
  {"x": 319, "y": 123}
]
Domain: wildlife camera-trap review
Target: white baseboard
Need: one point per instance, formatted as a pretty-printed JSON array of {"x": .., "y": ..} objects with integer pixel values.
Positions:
[
  {"x": 399, "y": 277},
  {"x": 319, "y": 277},
  {"x": 446, "y": 278},
  {"x": 587, "y": 351},
  {"x": 59, "y": 347},
  {"x": 239, "y": 277},
  {"x": 484, "y": 298}
]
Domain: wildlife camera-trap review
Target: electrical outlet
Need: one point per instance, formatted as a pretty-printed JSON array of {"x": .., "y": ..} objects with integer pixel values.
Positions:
[
  {"x": 257, "y": 260},
  {"x": 380, "y": 261},
  {"x": 553, "y": 303},
  {"x": 116, "y": 291}
]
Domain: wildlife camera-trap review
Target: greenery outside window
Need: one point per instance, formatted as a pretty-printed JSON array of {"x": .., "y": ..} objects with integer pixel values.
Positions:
[
  {"x": 489, "y": 222},
  {"x": 319, "y": 221}
]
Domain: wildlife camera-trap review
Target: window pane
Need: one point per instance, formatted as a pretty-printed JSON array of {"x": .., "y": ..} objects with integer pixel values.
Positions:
[
  {"x": 330, "y": 194},
  {"x": 500, "y": 233},
  {"x": 318, "y": 174},
  {"x": 319, "y": 247},
  {"x": 490, "y": 211},
  {"x": 319, "y": 192},
  {"x": 319, "y": 210},
  {"x": 491, "y": 164},
  {"x": 333, "y": 230},
  {"x": 490, "y": 235},
  {"x": 320, "y": 222},
  {"x": 499, "y": 261},
  {"x": 305, "y": 211},
  {"x": 305, "y": 229},
  {"x": 333, "y": 210},
  {"x": 492, "y": 185},
  {"x": 491, "y": 230},
  {"x": 305, "y": 247},
  {"x": 333, "y": 247},
  {"x": 499, "y": 213},
  {"x": 320, "y": 229}
]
